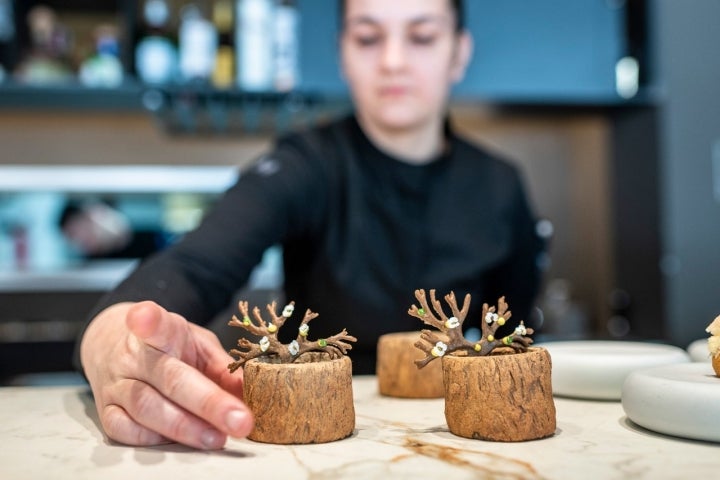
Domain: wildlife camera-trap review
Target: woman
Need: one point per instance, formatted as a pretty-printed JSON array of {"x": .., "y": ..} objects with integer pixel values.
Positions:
[{"x": 367, "y": 209}]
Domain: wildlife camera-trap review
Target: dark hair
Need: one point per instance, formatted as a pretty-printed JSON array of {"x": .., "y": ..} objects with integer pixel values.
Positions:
[{"x": 457, "y": 6}]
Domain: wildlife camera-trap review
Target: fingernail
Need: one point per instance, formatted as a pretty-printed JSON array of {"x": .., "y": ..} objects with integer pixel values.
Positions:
[
  {"x": 211, "y": 439},
  {"x": 236, "y": 420}
]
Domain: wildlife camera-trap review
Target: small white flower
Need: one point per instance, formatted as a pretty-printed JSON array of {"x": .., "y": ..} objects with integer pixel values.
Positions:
[
  {"x": 304, "y": 328},
  {"x": 490, "y": 317},
  {"x": 520, "y": 330},
  {"x": 439, "y": 349},
  {"x": 288, "y": 311},
  {"x": 294, "y": 348},
  {"x": 452, "y": 322},
  {"x": 264, "y": 344}
]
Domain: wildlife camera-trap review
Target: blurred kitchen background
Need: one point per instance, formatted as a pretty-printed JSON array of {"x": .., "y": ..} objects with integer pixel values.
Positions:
[{"x": 122, "y": 121}]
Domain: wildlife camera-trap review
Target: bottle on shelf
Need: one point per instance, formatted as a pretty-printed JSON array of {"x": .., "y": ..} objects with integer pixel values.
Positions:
[
  {"x": 224, "y": 20},
  {"x": 48, "y": 60},
  {"x": 104, "y": 68},
  {"x": 285, "y": 39},
  {"x": 198, "y": 43},
  {"x": 156, "y": 57},
  {"x": 254, "y": 42}
]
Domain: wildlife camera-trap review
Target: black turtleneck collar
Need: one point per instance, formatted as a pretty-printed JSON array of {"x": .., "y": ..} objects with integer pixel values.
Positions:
[{"x": 408, "y": 176}]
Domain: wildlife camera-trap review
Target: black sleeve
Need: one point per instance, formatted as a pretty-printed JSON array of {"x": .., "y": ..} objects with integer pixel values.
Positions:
[{"x": 275, "y": 199}]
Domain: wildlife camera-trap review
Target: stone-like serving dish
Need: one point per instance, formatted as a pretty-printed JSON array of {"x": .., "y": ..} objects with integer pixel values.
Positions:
[{"x": 596, "y": 369}]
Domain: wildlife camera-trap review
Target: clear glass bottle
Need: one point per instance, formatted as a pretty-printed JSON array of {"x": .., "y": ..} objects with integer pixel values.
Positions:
[
  {"x": 254, "y": 41},
  {"x": 286, "y": 45},
  {"x": 198, "y": 42},
  {"x": 156, "y": 59}
]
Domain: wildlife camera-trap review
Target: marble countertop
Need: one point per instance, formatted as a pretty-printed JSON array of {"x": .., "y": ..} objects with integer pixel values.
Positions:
[{"x": 52, "y": 432}]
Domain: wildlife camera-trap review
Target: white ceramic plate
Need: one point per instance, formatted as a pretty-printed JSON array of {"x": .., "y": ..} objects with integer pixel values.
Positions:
[
  {"x": 698, "y": 351},
  {"x": 680, "y": 400},
  {"x": 596, "y": 369}
]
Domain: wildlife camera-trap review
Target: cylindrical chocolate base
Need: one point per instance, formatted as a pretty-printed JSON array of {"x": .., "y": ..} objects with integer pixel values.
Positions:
[
  {"x": 501, "y": 397},
  {"x": 397, "y": 374},
  {"x": 298, "y": 403}
]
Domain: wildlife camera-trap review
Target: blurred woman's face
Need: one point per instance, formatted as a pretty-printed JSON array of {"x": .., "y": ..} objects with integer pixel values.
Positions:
[{"x": 400, "y": 59}]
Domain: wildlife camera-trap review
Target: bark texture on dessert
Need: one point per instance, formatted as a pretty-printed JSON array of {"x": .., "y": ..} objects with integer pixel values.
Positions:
[
  {"x": 299, "y": 392},
  {"x": 397, "y": 374},
  {"x": 308, "y": 401},
  {"x": 500, "y": 397},
  {"x": 495, "y": 389}
]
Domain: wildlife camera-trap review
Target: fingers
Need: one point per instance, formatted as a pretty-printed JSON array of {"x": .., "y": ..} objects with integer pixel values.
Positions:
[
  {"x": 120, "y": 427},
  {"x": 157, "y": 327},
  {"x": 187, "y": 374},
  {"x": 196, "y": 393},
  {"x": 168, "y": 385},
  {"x": 213, "y": 361},
  {"x": 161, "y": 419}
]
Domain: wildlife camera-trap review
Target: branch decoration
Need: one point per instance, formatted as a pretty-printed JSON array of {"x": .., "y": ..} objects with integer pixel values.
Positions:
[
  {"x": 434, "y": 346},
  {"x": 269, "y": 345}
]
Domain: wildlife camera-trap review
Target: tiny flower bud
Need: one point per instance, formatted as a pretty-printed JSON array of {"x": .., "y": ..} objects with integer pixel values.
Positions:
[{"x": 452, "y": 322}]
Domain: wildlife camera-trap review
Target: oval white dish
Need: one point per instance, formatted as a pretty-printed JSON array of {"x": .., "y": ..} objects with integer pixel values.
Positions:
[
  {"x": 679, "y": 400},
  {"x": 596, "y": 369},
  {"x": 698, "y": 350}
]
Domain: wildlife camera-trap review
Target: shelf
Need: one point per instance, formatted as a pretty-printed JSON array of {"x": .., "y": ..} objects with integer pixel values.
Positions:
[
  {"x": 199, "y": 109},
  {"x": 70, "y": 96},
  {"x": 95, "y": 276},
  {"x": 117, "y": 179}
]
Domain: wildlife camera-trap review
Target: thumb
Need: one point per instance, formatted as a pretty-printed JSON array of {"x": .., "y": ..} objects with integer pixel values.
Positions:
[{"x": 157, "y": 328}]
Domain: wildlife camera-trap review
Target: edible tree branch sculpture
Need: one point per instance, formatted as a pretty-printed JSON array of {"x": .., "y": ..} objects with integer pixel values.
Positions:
[
  {"x": 434, "y": 346},
  {"x": 269, "y": 345}
]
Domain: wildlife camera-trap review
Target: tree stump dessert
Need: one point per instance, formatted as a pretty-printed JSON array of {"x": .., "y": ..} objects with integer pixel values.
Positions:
[
  {"x": 714, "y": 344},
  {"x": 300, "y": 392},
  {"x": 495, "y": 389},
  {"x": 397, "y": 374}
]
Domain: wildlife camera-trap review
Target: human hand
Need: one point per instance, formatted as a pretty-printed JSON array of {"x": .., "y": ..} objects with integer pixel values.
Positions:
[{"x": 158, "y": 378}]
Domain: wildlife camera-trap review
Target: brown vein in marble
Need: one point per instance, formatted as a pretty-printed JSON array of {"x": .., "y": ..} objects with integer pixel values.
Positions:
[{"x": 453, "y": 456}]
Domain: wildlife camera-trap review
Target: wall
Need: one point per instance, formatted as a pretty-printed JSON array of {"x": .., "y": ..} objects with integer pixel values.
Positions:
[
  {"x": 565, "y": 158},
  {"x": 687, "y": 38},
  {"x": 66, "y": 137}
]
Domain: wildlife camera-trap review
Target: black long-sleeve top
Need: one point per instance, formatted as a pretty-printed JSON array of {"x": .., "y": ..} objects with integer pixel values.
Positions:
[{"x": 360, "y": 231}]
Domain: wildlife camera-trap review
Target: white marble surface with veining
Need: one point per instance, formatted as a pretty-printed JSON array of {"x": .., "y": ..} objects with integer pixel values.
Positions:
[{"x": 52, "y": 432}]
